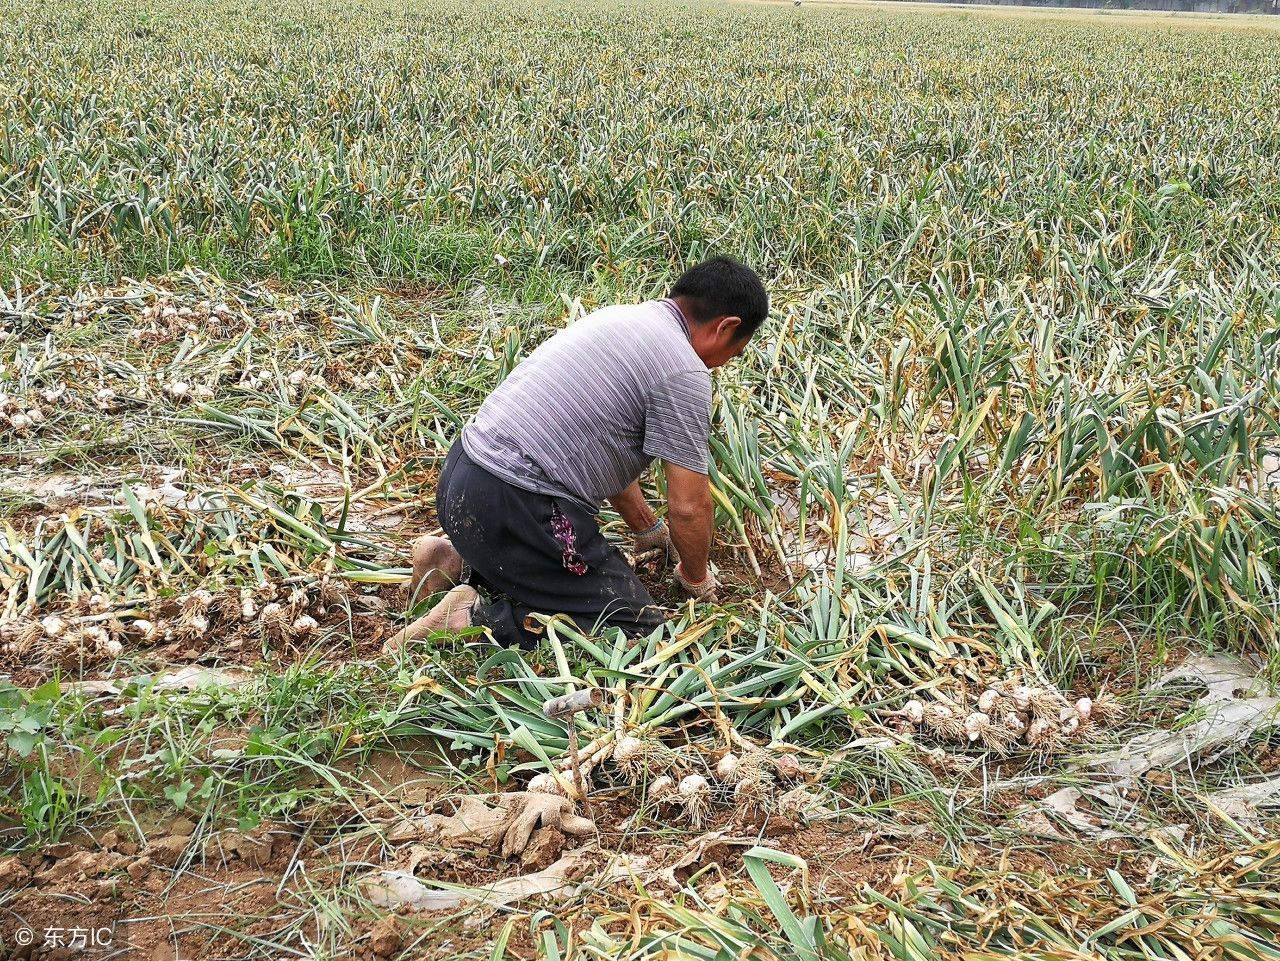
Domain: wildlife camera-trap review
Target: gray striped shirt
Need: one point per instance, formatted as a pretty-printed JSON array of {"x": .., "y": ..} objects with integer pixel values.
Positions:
[{"x": 585, "y": 413}]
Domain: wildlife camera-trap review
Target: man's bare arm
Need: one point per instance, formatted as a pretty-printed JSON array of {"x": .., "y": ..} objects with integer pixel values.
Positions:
[
  {"x": 635, "y": 510},
  {"x": 690, "y": 516}
]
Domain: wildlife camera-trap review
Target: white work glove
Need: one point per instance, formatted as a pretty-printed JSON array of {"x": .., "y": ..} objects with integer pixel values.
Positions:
[
  {"x": 703, "y": 591},
  {"x": 655, "y": 543}
]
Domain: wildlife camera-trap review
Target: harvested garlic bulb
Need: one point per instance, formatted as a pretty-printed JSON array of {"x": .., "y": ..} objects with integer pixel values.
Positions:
[
  {"x": 727, "y": 768},
  {"x": 695, "y": 795},
  {"x": 914, "y": 711},
  {"x": 661, "y": 789},
  {"x": 545, "y": 784}
]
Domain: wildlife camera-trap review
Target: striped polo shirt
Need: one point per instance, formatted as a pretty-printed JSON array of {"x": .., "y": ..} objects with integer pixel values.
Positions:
[{"x": 584, "y": 414}]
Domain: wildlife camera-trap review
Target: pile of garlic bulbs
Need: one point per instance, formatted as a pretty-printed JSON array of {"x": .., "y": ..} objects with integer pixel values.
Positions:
[
  {"x": 692, "y": 780},
  {"x": 21, "y": 415},
  {"x": 1007, "y": 715}
]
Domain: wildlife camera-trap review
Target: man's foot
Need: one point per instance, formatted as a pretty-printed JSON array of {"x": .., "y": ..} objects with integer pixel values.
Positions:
[
  {"x": 436, "y": 566},
  {"x": 453, "y": 613}
]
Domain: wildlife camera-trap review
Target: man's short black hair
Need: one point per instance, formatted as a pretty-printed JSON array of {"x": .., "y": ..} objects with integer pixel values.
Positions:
[{"x": 722, "y": 287}]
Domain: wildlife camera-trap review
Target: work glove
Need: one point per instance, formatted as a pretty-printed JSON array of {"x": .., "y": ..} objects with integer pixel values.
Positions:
[
  {"x": 703, "y": 591},
  {"x": 655, "y": 543}
]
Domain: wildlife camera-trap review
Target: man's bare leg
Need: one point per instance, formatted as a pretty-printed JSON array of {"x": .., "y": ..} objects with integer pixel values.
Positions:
[
  {"x": 436, "y": 567},
  {"x": 452, "y": 613}
]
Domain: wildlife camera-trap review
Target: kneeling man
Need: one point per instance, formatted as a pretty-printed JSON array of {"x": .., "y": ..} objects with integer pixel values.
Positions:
[{"x": 575, "y": 424}]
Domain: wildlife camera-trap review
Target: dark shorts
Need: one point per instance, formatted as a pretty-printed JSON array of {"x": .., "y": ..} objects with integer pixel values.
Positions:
[{"x": 535, "y": 553}]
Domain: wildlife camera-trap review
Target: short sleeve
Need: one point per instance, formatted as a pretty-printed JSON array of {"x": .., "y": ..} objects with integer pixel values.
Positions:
[{"x": 677, "y": 420}]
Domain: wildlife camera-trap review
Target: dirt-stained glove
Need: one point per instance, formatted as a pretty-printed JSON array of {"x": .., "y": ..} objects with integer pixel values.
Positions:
[
  {"x": 704, "y": 590},
  {"x": 655, "y": 543}
]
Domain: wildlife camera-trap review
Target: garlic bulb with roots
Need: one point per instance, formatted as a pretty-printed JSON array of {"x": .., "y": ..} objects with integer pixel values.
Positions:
[
  {"x": 943, "y": 721},
  {"x": 638, "y": 756},
  {"x": 226, "y": 606},
  {"x": 989, "y": 700},
  {"x": 789, "y": 766},
  {"x": 1022, "y": 699},
  {"x": 193, "y": 622},
  {"x": 997, "y": 734},
  {"x": 29, "y": 634},
  {"x": 247, "y": 606},
  {"x": 192, "y": 626},
  {"x": 329, "y": 594},
  {"x": 52, "y": 625},
  {"x": 304, "y": 626},
  {"x": 1106, "y": 708},
  {"x": 694, "y": 794},
  {"x": 1043, "y": 734},
  {"x": 802, "y": 804},
  {"x": 629, "y": 755},
  {"x": 274, "y": 621},
  {"x": 755, "y": 763},
  {"x": 545, "y": 783},
  {"x": 976, "y": 725},
  {"x": 727, "y": 768},
  {"x": 913, "y": 711},
  {"x": 1015, "y": 724},
  {"x": 661, "y": 789},
  {"x": 1046, "y": 703},
  {"x": 754, "y": 790},
  {"x": 94, "y": 637}
]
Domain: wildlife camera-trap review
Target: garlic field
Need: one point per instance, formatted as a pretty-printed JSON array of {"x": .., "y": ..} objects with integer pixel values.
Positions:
[{"x": 994, "y": 671}]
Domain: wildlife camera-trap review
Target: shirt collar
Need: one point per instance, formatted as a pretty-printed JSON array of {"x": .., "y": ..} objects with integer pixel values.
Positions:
[{"x": 679, "y": 315}]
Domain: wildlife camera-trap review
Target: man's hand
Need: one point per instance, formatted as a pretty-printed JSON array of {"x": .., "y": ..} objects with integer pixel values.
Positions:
[
  {"x": 704, "y": 590},
  {"x": 655, "y": 543},
  {"x": 649, "y": 535}
]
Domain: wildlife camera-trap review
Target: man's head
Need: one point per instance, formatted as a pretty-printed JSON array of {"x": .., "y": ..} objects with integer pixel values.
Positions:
[{"x": 725, "y": 303}]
